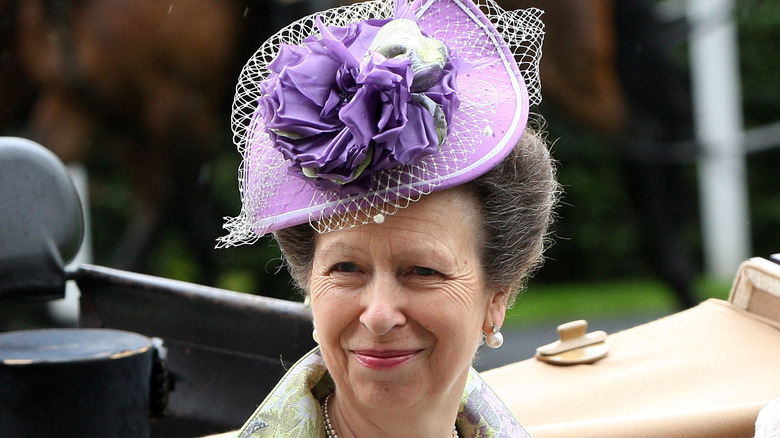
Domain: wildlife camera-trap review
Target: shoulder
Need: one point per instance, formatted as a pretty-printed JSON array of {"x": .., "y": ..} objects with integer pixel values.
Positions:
[
  {"x": 291, "y": 409},
  {"x": 483, "y": 414}
]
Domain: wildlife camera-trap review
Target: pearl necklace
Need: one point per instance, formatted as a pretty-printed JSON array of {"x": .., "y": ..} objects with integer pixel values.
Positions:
[
  {"x": 328, "y": 427},
  {"x": 331, "y": 432}
]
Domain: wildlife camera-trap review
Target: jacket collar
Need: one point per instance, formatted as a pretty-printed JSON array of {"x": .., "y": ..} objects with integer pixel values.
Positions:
[{"x": 292, "y": 408}]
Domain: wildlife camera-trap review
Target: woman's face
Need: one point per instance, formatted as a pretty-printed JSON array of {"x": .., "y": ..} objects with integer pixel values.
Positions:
[{"x": 400, "y": 306}]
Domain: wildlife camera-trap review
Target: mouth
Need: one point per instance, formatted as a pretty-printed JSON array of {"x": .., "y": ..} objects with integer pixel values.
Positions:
[{"x": 384, "y": 359}]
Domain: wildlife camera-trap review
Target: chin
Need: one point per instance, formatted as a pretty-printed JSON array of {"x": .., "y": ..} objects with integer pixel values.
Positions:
[{"x": 389, "y": 395}]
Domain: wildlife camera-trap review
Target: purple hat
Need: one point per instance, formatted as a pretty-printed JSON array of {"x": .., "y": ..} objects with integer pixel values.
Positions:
[{"x": 347, "y": 115}]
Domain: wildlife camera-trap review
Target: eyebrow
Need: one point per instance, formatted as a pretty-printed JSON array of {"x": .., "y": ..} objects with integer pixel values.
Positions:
[{"x": 410, "y": 249}]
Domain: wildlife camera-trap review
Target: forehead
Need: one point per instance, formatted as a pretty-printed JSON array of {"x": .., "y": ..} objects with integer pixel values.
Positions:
[{"x": 447, "y": 218}]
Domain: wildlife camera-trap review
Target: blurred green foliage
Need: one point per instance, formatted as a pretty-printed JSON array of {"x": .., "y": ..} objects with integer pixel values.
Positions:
[
  {"x": 600, "y": 236},
  {"x": 759, "y": 36}
]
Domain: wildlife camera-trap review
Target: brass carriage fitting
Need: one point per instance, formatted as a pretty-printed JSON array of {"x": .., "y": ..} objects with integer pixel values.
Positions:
[{"x": 575, "y": 345}]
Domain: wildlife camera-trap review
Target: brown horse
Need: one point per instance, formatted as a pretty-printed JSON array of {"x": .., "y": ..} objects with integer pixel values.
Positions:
[
  {"x": 607, "y": 65},
  {"x": 578, "y": 68},
  {"x": 154, "y": 79},
  {"x": 143, "y": 81}
]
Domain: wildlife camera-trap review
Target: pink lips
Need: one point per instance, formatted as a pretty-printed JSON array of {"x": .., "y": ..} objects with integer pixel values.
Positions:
[{"x": 384, "y": 359}]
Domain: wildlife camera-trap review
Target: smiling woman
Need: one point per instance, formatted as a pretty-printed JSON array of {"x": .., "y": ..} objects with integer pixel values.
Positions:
[
  {"x": 410, "y": 200},
  {"x": 399, "y": 327}
]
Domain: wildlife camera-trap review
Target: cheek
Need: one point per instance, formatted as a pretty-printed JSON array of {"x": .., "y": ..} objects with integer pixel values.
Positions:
[
  {"x": 453, "y": 316},
  {"x": 332, "y": 312}
]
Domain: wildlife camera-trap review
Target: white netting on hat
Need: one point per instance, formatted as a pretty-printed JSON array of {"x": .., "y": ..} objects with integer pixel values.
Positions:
[{"x": 522, "y": 30}]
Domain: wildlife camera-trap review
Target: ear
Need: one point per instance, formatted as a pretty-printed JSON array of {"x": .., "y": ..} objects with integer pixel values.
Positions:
[{"x": 496, "y": 309}]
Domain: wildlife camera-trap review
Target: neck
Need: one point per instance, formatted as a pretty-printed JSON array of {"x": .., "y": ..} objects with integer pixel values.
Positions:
[{"x": 348, "y": 422}]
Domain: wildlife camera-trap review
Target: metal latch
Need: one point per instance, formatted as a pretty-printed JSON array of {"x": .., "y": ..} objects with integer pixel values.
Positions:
[{"x": 575, "y": 345}]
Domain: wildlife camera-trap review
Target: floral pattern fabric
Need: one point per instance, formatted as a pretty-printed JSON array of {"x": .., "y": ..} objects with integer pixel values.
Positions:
[{"x": 293, "y": 409}]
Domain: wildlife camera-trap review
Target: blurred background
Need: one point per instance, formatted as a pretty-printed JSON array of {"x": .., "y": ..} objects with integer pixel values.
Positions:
[{"x": 664, "y": 117}]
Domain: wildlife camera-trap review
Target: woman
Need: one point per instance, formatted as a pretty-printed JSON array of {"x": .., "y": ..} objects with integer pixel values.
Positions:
[{"x": 389, "y": 156}]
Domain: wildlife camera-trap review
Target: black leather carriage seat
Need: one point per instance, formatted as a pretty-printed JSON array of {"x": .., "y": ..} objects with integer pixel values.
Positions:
[
  {"x": 225, "y": 350},
  {"x": 41, "y": 221}
]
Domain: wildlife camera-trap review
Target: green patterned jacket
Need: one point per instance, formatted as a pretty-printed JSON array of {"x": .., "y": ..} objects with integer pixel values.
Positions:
[{"x": 293, "y": 409}]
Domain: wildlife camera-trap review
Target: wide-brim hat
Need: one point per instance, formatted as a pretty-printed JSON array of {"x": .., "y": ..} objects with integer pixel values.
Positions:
[{"x": 492, "y": 58}]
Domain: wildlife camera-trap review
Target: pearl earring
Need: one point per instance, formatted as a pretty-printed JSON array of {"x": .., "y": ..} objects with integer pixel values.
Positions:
[
  {"x": 495, "y": 339},
  {"x": 314, "y": 335}
]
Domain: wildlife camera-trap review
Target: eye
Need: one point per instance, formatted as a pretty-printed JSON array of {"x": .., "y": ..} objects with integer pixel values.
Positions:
[
  {"x": 345, "y": 267},
  {"x": 423, "y": 271}
]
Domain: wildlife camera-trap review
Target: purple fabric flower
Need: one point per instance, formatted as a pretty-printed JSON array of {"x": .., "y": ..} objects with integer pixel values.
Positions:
[{"x": 338, "y": 114}]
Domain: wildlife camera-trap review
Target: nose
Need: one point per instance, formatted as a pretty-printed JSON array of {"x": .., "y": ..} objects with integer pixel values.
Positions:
[{"x": 382, "y": 305}]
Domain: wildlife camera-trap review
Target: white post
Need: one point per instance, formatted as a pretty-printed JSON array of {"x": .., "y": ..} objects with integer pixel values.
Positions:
[{"x": 717, "y": 105}]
